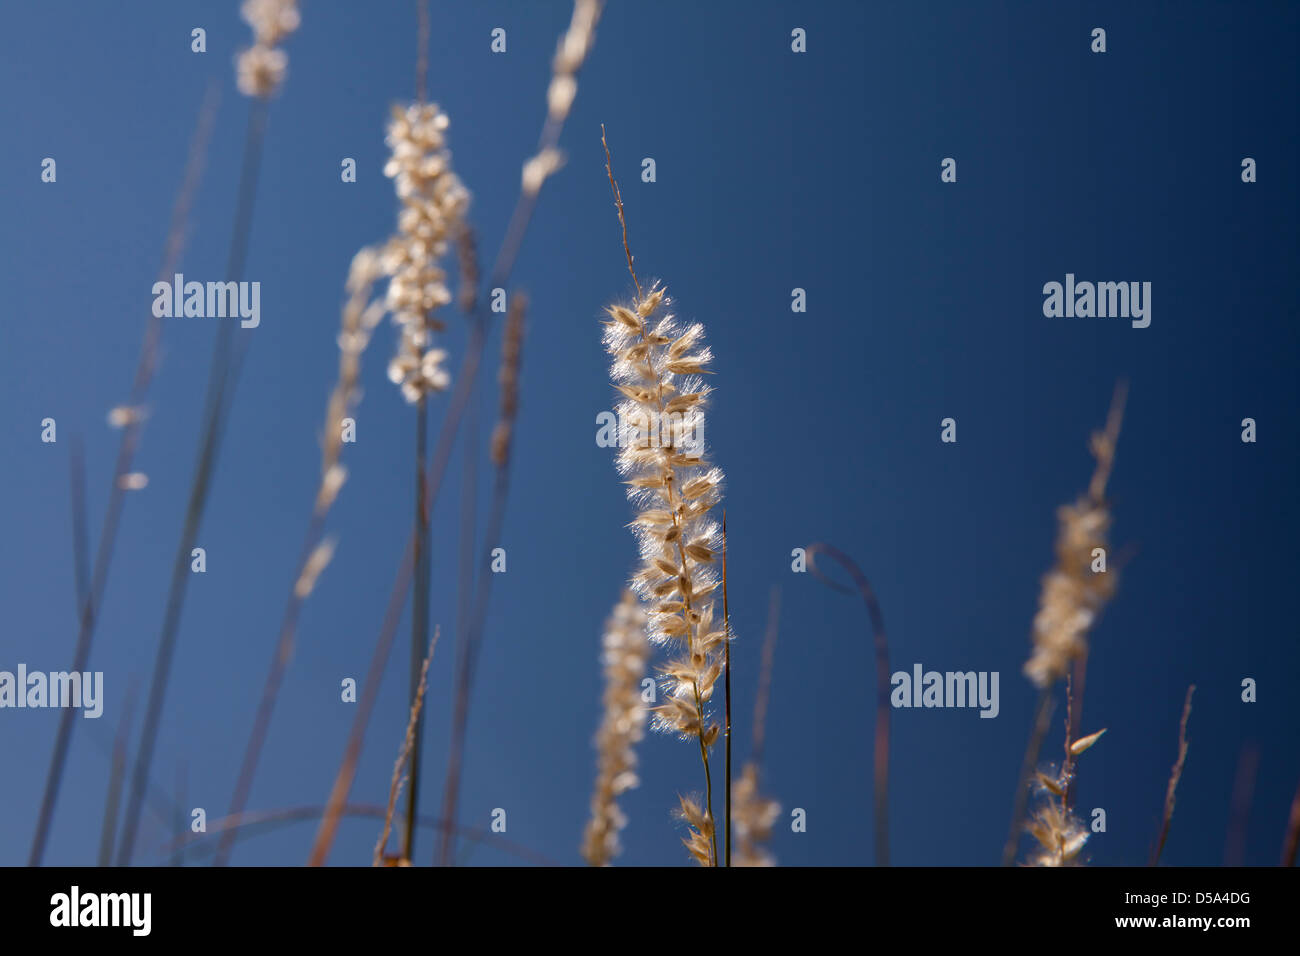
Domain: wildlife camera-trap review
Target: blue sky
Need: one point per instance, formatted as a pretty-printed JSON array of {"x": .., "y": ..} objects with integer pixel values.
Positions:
[{"x": 775, "y": 170}]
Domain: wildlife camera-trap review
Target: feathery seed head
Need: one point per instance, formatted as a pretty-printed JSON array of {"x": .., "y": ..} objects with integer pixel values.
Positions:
[
  {"x": 624, "y": 655},
  {"x": 434, "y": 203},
  {"x": 1060, "y": 835},
  {"x": 1073, "y": 593},
  {"x": 656, "y": 365},
  {"x": 260, "y": 69}
]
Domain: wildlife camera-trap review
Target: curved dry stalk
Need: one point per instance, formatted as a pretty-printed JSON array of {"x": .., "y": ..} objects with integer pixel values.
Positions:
[
  {"x": 130, "y": 418},
  {"x": 881, "y": 744},
  {"x": 1175, "y": 775}
]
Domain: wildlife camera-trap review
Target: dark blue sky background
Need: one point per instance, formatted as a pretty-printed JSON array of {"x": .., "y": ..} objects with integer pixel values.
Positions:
[{"x": 775, "y": 171}]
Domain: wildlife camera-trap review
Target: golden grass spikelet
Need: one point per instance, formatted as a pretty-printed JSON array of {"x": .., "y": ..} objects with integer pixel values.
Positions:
[
  {"x": 1083, "y": 743},
  {"x": 1060, "y": 835},
  {"x": 674, "y": 488},
  {"x": 661, "y": 452},
  {"x": 625, "y": 652},
  {"x": 699, "y": 841}
]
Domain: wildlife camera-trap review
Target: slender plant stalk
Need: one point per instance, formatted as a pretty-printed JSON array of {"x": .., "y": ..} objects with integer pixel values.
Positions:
[
  {"x": 422, "y": 50},
  {"x": 763, "y": 696},
  {"x": 726, "y": 616},
  {"x": 1174, "y": 776},
  {"x": 81, "y": 574},
  {"x": 467, "y": 659},
  {"x": 80, "y": 546},
  {"x": 131, "y": 420},
  {"x": 1041, "y": 723},
  {"x": 222, "y": 379},
  {"x": 467, "y": 256},
  {"x": 419, "y": 623},
  {"x": 116, "y": 777},
  {"x": 421, "y": 533},
  {"x": 1243, "y": 788},
  {"x": 881, "y": 745},
  {"x": 1075, "y": 686},
  {"x": 466, "y": 568}
]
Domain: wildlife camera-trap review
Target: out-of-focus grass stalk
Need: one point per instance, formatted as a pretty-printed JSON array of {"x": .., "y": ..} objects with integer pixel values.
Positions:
[{"x": 130, "y": 417}]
